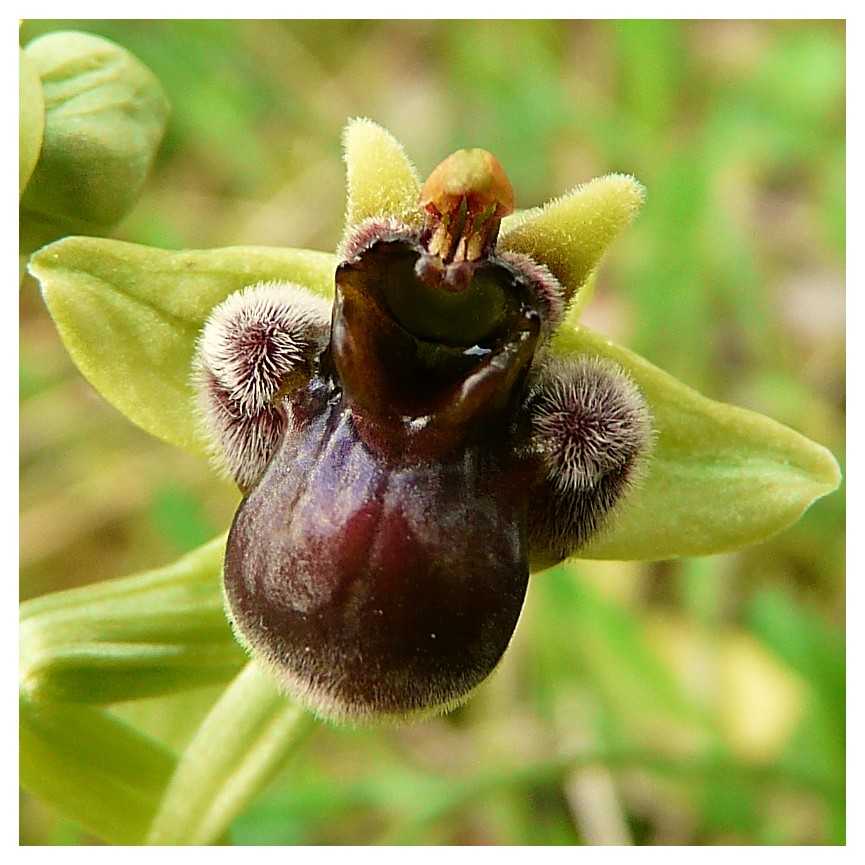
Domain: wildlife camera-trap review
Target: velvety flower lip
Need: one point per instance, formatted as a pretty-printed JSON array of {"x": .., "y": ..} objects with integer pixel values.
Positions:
[{"x": 380, "y": 557}]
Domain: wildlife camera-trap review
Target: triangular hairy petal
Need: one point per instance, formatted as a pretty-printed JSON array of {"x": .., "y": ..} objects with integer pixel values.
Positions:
[
  {"x": 719, "y": 477},
  {"x": 570, "y": 234},
  {"x": 130, "y": 316},
  {"x": 381, "y": 179}
]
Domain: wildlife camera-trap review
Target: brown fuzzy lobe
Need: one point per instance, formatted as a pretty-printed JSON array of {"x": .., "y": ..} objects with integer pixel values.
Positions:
[
  {"x": 590, "y": 420},
  {"x": 593, "y": 432},
  {"x": 259, "y": 342},
  {"x": 240, "y": 443}
]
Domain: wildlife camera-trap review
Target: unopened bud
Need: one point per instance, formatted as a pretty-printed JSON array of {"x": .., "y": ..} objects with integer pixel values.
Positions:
[
  {"x": 31, "y": 119},
  {"x": 105, "y": 115}
]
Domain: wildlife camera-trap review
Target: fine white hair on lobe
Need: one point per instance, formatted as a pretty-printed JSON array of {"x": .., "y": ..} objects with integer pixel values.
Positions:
[
  {"x": 256, "y": 344},
  {"x": 240, "y": 445},
  {"x": 590, "y": 419},
  {"x": 258, "y": 335},
  {"x": 592, "y": 428}
]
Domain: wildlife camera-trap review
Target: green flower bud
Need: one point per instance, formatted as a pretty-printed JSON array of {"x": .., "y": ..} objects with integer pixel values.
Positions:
[
  {"x": 31, "y": 119},
  {"x": 105, "y": 115}
]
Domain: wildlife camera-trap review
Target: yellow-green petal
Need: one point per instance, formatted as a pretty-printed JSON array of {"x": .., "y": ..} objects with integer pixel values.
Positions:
[
  {"x": 130, "y": 316},
  {"x": 720, "y": 477},
  {"x": 381, "y": 179},
  {"x": 571, "y": 234}
]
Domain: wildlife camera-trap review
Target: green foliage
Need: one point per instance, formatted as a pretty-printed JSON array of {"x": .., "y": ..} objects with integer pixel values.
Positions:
[
  {"x": 153, "y": 633},
  {"x": 684, "y": 702},
  {"x": 93, "y": 767},
  {"x": 238, "y": 749}
]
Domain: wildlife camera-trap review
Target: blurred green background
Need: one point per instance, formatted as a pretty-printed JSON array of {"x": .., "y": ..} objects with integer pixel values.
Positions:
[{"x": 686, "y": 702}]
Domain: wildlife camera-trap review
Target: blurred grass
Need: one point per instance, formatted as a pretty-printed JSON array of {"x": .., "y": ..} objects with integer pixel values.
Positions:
[{"x": 690, "y": 702}]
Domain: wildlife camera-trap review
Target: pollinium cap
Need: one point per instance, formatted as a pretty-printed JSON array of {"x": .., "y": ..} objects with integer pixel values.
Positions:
[{"x": 473, "y": 174}]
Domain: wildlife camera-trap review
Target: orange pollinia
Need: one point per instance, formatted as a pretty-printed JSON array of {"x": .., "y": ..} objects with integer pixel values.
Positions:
[{"x": 464, "y": 201}]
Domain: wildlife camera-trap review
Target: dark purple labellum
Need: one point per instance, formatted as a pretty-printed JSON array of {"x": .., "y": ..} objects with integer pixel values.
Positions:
[{"x": 381, "y": 562}]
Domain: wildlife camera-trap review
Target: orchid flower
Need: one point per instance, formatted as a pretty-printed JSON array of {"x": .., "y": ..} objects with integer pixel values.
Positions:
[{"x": 161, "y": 336}]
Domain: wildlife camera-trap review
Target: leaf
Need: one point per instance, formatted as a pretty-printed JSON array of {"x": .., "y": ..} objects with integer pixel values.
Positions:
[
  {"x": 719, "y": 477},
  {"x": 92, "y": 767},
  {"x": 130, "y": 316},
  {"x": 154, "y": 633},
  {"x": 237, "y": 751}
]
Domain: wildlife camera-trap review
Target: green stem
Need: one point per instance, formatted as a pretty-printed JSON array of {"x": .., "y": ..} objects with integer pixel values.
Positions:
[
  {"x": 237, "y": 751},
  {"x": 158, "y": 632}
]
